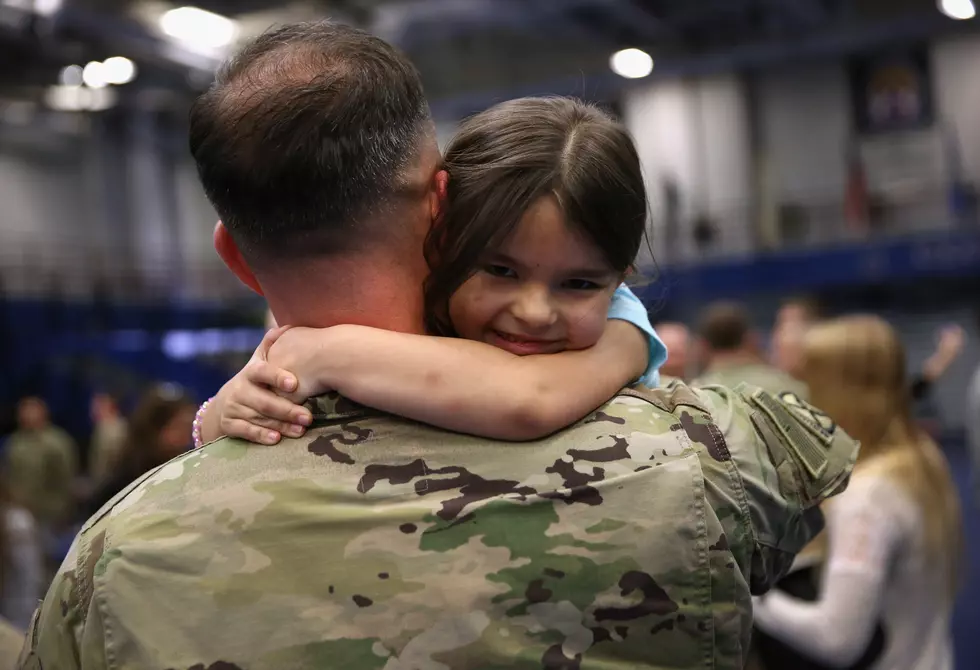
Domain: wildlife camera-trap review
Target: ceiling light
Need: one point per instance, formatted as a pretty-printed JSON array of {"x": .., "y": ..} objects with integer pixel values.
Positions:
[
  {"x": 631, "y": 63},
  {"x": 100, "y": 99},
  {"x": 198, "y": 28},
  {"x": 93, "y": 75},
  {"x": 118, "y": 70},
  {"x": 71, "y": 76},
  {"x": 79, "y": 98},
  {"x": 958, "y": 9},
  {"x": 64, "y": 98},
  {"x": 47, "y": 7}
]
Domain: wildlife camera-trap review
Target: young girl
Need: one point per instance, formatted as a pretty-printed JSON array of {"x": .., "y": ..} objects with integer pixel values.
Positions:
[{"x": 545, "y": 212}]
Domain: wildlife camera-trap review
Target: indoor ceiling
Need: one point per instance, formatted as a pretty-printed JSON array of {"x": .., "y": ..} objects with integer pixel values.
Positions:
[{"x": 473, "y": 51}]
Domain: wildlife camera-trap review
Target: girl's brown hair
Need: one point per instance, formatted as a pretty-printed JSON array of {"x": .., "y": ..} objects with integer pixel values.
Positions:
[{"x": 504, "y": 159}]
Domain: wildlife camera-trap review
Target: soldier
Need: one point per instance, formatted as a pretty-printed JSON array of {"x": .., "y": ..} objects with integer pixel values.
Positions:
[
  {"x": 732, "y": 355},
  {"x": 633, "y": 538},
  {"x": 677, "y": 337},
  {"x": 42, "y": 464},
  {"x": 794, "y": 317},
  {"x": 108, "y": 438}
]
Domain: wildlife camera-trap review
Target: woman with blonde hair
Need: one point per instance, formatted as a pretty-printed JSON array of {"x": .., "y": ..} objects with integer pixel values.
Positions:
[{"x": 894, "y": 536}]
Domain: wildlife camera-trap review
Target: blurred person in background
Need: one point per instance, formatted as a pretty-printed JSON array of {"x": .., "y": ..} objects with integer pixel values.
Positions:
[
  {"x": 731, "y": 353},
  {"x": 22, "y": 580},
  {"x": 949, "y": 345},
  {"x": 677, "y": 338},
  {"x": 796, "y": 315},
  {"x": 108, "y": 438},
  {"x": 159, "y": 430},
  {"x": 793, "y": 319},
  {"x": 973, "y": 424},
  {"x": 893, "y": 539},
  {"x": 950, "y": 341},
  {"x": 41, "y": 467}
]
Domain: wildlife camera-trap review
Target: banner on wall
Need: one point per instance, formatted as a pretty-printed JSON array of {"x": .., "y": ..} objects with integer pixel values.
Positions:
[{"x": 891, "y": 91}]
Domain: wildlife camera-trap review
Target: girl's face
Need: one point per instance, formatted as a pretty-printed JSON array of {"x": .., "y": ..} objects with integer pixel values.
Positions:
[{"x": 545, "y": 289}]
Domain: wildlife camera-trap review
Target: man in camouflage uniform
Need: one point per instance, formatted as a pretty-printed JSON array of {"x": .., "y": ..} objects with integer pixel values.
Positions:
[
  {"x": 631, "y": 539},
  {"x": 793, "y": 319},
  {"x": 677, "y": 338},
  {"x": 41, "y": 465},
  {"x": 731, "y": 352},
  {"x": 108, "y": 438}
]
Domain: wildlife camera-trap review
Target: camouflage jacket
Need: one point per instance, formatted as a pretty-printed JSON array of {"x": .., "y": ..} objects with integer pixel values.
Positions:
[
  {"x": 631, "y": 539},
  {"x": 11, "y": 640},
  {"x": 763, "y": 375}
]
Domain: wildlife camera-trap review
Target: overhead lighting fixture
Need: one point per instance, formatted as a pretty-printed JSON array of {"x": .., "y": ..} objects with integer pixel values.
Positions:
[
  {"x": 71, "y": 76},
  {"x": 631, "y": 63},
  {"x": 198, "y": 28},
  {"x": 961, "y": 10},
  {"x": 93, "y": 75},
  {"x": 79, "y": 98},
  {"x": 47, "y": 7},
  {"x": 118, "y": 70}
]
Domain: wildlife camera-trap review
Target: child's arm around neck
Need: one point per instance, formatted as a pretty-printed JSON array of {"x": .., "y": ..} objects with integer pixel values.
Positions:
[{"x": 461, "y": 385}]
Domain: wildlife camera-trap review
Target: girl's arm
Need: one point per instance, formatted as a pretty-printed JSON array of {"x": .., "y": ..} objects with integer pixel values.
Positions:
[{"x": 462, "y": 385}]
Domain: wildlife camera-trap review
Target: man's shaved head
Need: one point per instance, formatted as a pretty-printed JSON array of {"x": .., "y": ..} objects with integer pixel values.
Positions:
[{"x": 306, "y": 138}]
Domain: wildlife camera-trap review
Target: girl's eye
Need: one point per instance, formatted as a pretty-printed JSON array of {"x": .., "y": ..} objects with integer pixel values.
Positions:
[
  {"x": 581, "y": 285},
  {"x": 499, "y": 271}
]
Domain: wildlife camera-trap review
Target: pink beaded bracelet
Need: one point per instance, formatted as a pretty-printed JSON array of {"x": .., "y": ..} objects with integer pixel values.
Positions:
[{"x": 198, "y": 420}]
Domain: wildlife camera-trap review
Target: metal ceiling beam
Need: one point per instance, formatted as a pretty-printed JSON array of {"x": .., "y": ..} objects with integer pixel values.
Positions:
[
  {"x": 807, "y": 13},
  {"x": 606, "y": 85},
  {"x": 131, "y": 38},
  {"x": 411, "y": 24},
  {"x": 642, "y": 21}
]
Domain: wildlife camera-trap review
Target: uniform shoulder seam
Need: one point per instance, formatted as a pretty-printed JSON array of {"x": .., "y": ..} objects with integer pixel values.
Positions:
[{"x": 668, "y": 400}]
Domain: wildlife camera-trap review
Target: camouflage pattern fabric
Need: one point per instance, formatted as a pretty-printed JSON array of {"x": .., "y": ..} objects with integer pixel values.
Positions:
[
  {"x": 41, "y": 470},
  {"x": 764, "y": 376},
  {"x": 11, "y": 641},
  {"x": 632, "y": 539}
]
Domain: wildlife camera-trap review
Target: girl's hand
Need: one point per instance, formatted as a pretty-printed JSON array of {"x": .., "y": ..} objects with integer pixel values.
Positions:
[
  {"x": 314, "y": 353},
  {"x": 250, "y": 406}
]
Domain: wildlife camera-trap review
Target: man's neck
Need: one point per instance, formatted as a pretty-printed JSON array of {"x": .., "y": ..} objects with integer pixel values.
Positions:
[{"x": 371, "y": 293}]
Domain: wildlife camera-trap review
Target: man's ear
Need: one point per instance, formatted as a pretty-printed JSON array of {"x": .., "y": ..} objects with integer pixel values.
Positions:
[
  {"x": 438, "y": 195},
  {"x": 232, "y": 256}
]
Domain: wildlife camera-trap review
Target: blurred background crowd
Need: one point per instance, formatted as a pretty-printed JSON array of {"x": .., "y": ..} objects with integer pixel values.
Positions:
[{"x": 804, "y": 159}]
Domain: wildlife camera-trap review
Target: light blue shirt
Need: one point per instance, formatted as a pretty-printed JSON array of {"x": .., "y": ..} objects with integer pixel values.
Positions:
[{"x": 625, "y": 306}]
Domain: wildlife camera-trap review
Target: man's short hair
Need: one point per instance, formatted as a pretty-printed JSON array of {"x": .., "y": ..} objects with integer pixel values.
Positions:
[
  {"x": 724, "y": 326},
  {"x": 305, "y": 135}
]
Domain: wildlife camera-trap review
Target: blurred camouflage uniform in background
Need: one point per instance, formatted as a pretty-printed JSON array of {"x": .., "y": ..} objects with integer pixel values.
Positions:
[
  {"x": 41, "y": 466},
  {"x": 759, "y": 374}
]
